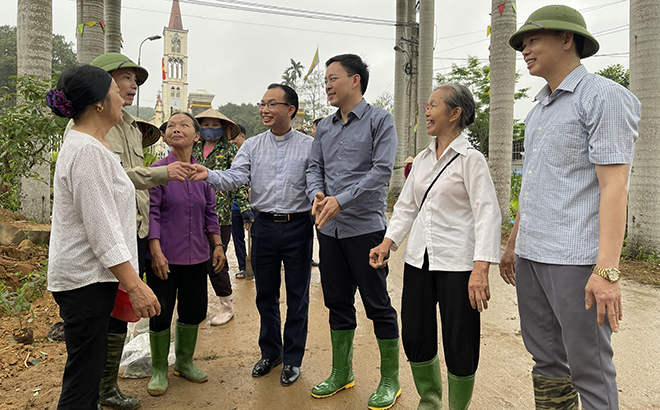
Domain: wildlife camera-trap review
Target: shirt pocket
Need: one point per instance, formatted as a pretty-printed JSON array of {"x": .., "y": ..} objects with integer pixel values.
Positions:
[
  {"x": 360, "y": 156},
  {"x": 566, "y": 144},
  {"x": 295, "y": 172}
]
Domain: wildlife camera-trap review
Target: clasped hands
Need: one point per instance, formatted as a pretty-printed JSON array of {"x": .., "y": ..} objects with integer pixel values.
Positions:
[
  {"x": 180, "y": 171},
  {"x": 324, "y": 208}
]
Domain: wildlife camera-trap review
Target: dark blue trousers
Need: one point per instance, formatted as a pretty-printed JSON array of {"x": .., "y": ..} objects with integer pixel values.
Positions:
[
  {"x": 274, "y": 243},
  {"x": 238, "y": 235},
  {"x": 344, "y": 269}
]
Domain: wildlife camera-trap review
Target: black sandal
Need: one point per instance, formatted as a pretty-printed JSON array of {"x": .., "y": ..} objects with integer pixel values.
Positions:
[{"x": 240, "y": 275}]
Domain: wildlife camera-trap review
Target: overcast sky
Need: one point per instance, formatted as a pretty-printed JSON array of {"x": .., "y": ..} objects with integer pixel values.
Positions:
[{"x": 236, "y": 54}]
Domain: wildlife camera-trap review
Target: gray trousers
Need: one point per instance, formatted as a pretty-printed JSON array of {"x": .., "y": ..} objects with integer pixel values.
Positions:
[{"x": 563, "y": 337}]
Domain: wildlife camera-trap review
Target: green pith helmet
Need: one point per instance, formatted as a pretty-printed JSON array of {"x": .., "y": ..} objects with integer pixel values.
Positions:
[
  {"x": 560, "y": 18},
  {"x": 113, "y": 61}
]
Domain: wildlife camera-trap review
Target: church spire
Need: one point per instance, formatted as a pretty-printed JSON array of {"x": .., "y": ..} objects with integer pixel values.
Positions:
[{"x": 175, "y": 17}]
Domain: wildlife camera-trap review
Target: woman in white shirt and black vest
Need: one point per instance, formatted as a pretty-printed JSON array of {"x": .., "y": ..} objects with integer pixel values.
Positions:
[{"x": 449, "y": 206}]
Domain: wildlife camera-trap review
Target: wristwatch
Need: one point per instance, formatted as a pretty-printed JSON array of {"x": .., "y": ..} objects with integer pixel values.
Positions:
[{"x": 611, "y": 274}]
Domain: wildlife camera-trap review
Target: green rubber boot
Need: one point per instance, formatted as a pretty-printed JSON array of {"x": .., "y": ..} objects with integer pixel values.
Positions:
[
  {"x": 109, "y": 393},
  {"x": 185, "y": 339},
  {"x": 460, "y": 391},
  {"x": 389, "y": 388},
  {"x": 554, "y": 393},
  {"x": 342, "y": 365},
  {"x": 428, "y": 381},
  {"x": 160, "y": 348}
]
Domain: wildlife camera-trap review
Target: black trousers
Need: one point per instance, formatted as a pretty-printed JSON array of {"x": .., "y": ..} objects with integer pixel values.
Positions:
[
  {"x": 345, "y": 268},
  {"x": 238, "y": 235},
  {"x": 185, "y": 283},
  {"x": 423, "y": 290},
  {"x": 275, "y": 243},
  {"x": 117, "y": 326},
  {"x": 86, "y": 312},
  {"x": 220, "y": 281}
]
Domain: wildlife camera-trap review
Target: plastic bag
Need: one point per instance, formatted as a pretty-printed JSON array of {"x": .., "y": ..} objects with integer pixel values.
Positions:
[{"x": 136, "y": 359}]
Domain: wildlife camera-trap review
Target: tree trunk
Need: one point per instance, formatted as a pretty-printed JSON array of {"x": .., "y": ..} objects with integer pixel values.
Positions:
[
  {"x": 34, "y": 49},
  {"x": 644, "y": 199},
  {"x": 502, "y": 89},
  {"x": 112, "y": 14},
  {"x": 425, "y": 76},
  {"x": 91, "y": 43},
  {"x": 400, "y": 80}
]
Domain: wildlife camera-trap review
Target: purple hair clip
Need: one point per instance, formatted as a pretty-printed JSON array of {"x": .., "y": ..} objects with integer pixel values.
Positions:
[{"x": 57, "y": 99}]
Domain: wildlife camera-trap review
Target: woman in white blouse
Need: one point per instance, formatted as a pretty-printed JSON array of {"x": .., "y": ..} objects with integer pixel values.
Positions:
[
  {"x": 449, "y": 206},
  {"x": 92, "y": 242}
]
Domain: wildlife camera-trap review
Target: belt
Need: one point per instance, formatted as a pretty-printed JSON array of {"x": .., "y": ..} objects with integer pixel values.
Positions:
[{"x": 283, "y": 217}]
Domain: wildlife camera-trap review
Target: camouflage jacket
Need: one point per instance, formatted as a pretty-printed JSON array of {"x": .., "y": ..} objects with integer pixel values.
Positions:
[{"x": 220, "y": 159}]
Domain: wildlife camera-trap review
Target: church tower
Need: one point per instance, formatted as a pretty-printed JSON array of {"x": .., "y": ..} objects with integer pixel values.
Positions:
[{"x": 175, "y": 64}]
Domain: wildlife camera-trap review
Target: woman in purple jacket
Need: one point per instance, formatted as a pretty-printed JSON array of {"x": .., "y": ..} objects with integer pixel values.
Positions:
[{"x": 182, "y": 226}]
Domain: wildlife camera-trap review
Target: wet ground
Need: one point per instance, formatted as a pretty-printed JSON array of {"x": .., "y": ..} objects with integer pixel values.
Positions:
[{"x": 227, "y": 353}]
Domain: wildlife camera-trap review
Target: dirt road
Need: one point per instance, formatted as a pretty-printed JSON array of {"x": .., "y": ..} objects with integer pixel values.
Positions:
[{"x": 228, "y": 353}]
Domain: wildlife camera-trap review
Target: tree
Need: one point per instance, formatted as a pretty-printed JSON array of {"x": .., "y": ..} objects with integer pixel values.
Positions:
[
  {"x": 293, "y": 73},
  {"x": 644, "y": 199},
  {"x": 112, "y": 13},
  {"x": 616, "y": 73},
  {"x": 502, "y": 89},
  {"x": 312, "y": 92},
  {"x": 146, "y": 113},
  {"x": 385, "y": 101},
  {"x": 476, "y": 77},
  {"x": 63, "y": 57},
  {"x": 91, "y": 42},
  {"x": 245, "y": 114},
  {"x": 34, "y": 50}
]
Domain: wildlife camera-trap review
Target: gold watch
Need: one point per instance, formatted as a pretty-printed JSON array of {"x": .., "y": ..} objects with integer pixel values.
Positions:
[{"x": 611, "y": 274}]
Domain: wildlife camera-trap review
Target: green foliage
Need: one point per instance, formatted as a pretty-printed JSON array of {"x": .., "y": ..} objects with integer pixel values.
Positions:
[
  {"x": 292, "y": 74},
  {"x": 28, "y": 132},
  {"x": 641, "y": 255},
  {"x": 516, "y": 182},
  {"x": 245, "y": 114},
  {"x": 149, "y": 158},
  {"x": 616, "y": 73},
  {"x": 476, "y": 77},
  {"x": 19, "y": 303},
  {"x": 63, "y": 58},
  {"x": 146, "y": 113}
]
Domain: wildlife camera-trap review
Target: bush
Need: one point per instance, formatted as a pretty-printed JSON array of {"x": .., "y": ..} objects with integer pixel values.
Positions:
[{"x": 19, "y": 303}]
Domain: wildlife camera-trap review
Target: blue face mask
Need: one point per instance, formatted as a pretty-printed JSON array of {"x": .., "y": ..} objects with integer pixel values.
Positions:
[{"x": 212, "y": 134}]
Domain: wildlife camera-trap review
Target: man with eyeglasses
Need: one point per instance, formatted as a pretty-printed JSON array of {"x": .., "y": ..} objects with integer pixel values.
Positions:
[
  {"x": 350, "y": 164},
  {"x": 274, "y": 162}
]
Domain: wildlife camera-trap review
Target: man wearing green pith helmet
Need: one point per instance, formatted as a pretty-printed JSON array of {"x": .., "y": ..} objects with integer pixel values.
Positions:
[
  {"x": 126, "y": 140},
  {"x": 564, "y": 249}
]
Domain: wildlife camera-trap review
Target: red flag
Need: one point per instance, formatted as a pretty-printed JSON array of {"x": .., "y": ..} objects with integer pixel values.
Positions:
[
  {"x": 164, "y": 75},
  {"x": 501, "y": 7}
]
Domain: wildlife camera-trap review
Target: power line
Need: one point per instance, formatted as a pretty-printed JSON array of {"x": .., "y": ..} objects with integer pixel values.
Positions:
[{"x": 290, "y": 12}]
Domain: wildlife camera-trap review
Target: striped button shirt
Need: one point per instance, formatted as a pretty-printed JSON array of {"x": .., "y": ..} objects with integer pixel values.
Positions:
[
  {"x": 275, "y": 165},
  {"x": 587, "y": 121}
]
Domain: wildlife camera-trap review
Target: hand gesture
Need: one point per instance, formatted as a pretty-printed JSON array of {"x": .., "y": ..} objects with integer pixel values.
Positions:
[
  {"x": 478, "y": 289},
  {"x": 145, "y": 303},
  {"x": 608, "y": 300},
  {"x": 329, "y": 208},
  {"x": 508, "y": 266},
  {"x": 160, "y": 265},
  {"x": 378, "y": 254},
  {"x": 179, "y": 171},
  {"x": 200, "y": 174},
  {"x": 219, "y": 259}
]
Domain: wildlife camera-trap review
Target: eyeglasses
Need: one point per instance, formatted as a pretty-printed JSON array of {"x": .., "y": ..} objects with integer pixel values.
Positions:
[
  {"x": 332, "y": 79},
  {"x": 271, "y": 105}
]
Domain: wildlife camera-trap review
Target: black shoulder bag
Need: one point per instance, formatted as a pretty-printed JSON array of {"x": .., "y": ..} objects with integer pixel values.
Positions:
[{"x": 436, "y": 178}]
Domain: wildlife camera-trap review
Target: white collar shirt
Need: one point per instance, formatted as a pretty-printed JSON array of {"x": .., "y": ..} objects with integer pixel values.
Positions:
[{"x": 460, "y": 220}]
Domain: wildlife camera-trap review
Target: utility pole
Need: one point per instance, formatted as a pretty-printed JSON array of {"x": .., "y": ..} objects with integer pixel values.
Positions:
[{"x": 425, "y": 77}]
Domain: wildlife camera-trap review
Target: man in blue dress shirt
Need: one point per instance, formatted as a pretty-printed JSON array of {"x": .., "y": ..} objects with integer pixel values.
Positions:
[
  {"x": 350, "y": 165},
  {"x": 274, "y": 162},
  {"x": 563, "y": 252}
]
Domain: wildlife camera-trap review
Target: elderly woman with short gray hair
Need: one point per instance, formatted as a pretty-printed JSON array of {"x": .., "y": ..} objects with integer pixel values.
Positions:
[{"x": 449, "y": 206}]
